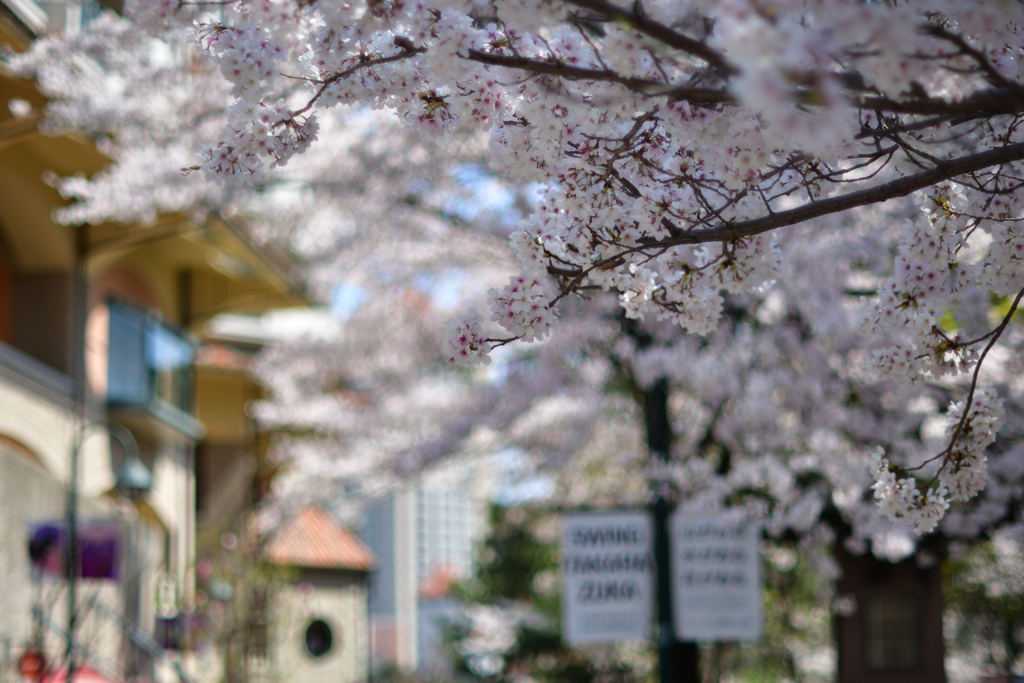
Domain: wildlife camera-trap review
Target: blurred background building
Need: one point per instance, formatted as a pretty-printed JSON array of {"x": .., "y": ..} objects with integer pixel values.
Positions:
[
  {"x": 104, "y": 324},
  {"x": 425, "y": 538},
  {"x": 321, "y": 629}
]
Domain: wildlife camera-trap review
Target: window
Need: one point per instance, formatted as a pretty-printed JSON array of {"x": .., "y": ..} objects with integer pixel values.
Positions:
[
  {"x": 319, "y": 638},
  {"x": 149, "y": 362},
  {"x": 892, "y": 631}
]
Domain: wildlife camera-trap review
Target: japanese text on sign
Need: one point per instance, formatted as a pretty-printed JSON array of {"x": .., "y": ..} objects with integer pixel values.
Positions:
[
  {"x": 716, "y": 579},
  {"x": 607, "y": 577}
]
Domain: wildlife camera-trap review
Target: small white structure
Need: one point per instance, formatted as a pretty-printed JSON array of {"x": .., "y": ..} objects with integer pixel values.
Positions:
[{"x": 322, "y": 627}]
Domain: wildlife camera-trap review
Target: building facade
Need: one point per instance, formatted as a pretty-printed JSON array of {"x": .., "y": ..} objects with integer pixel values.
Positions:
[
  {"x": 320, "y": 630},
  {"x": 101, "y": 354},
  {"x": 425, "y": 538}
]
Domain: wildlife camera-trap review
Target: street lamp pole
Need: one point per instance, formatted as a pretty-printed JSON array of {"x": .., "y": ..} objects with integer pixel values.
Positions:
[
  {"x": 133, "y": 480},
  {"x": 72, "y": 557}
]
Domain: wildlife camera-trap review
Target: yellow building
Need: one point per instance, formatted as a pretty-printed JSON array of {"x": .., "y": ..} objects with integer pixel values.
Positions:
[{"x": 103, "y": 323}]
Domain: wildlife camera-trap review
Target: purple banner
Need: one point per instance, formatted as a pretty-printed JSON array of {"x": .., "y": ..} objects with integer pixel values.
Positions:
[{"x": 99, "y": 548}]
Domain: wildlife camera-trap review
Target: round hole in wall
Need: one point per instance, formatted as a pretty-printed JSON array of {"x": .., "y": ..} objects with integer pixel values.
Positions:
[{"x": 318, "y": 638}]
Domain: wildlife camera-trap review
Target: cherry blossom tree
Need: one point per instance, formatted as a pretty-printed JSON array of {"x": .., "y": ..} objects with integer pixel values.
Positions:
[
  {"x": 775, "y": 414},
  {"x": 376, "y": 404},
  {"x": 780, "y": 408},
  {"x": 803, "y": 315},
  {"x": 675, "y": 143},
  {"x": 676, "y": 146}
]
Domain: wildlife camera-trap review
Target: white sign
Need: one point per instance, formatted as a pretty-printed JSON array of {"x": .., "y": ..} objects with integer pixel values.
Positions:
[
  {"x": 607, "y": 577},
  {"x": 716, "y": 579}
]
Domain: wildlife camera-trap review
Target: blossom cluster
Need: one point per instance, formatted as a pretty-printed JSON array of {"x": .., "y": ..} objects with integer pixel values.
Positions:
[
  {"x": 521, "y": 308},
  {"x": 961, "y": 475},
  {"x": 899, "y": 498},
  {"x": 466, "y": 343},
  {"x": 934, "y": 269}
]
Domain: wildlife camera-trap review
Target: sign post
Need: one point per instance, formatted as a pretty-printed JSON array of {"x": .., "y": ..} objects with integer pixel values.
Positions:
[
  {"x": 716, "y": 579},
  {"x": 607, "y": 577}
]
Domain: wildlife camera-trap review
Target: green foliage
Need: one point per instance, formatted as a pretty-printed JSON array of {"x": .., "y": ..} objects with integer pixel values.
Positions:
[
  {"x": 512, "y": 557},
  {"x": 518, "y": 571},
  {"x": 984, "y": 590},
  {"x": 237, "y": 601},
  {"x": 797, "y": 642}
]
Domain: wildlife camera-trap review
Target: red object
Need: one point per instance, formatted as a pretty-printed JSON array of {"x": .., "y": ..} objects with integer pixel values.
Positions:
[
  {"x": 82, "y": 674},
  {"x": 31, "y": 663},
  {"x": 438, "y": 585}
]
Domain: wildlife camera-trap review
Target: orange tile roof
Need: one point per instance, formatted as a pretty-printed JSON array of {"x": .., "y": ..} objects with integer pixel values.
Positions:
[
  {"x": 314, "y": 538},
  {"x": 439, "y": 584}
]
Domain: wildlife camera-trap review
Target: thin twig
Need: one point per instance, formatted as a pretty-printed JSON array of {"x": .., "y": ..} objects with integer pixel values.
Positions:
[
  {"x": 997, "y": 333},
  {"x": 407, "y": 51}
]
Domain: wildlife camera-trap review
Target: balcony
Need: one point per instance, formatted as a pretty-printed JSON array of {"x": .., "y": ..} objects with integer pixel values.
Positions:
[{"x": 150, "y": 375}]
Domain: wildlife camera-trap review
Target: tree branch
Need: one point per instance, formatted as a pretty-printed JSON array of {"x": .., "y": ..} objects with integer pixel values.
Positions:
[
  {"x": 659, "y": 32},
  {"x": 575, "y": 73},
  {"x": 996, "y": 334},
  {"x": 899, "y": 187},
  {"x": 991, "y": 102}
]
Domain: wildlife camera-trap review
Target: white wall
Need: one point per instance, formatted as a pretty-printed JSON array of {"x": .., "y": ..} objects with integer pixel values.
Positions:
[{"x": 339, "y": 599}]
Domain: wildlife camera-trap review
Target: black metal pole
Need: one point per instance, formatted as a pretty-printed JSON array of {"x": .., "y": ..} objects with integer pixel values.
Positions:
[
  {"x": 78, "y": 319},
  {"x": 678, "y": 662},
  {"x": 71, "y": 560}
]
